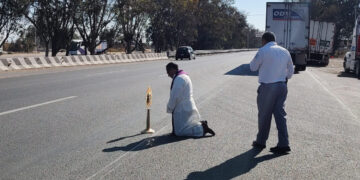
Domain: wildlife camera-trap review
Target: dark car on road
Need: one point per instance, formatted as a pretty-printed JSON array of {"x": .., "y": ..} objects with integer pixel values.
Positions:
[{"x": 185, "y": 52}]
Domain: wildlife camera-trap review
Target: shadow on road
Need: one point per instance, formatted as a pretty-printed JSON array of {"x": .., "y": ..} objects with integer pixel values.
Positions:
[
  {"x": 315, "y": 64},
  {"x": 345, "y": 74},
  {"x": 243, "y": 70},
  {"x": 148, "y": 143},
  {"x": 234, "y": 167},
  {"x": 125, "y": 137}
]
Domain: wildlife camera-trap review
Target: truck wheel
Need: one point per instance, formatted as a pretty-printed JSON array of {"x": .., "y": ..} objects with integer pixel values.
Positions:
[
  {"x": 303, "y": 67},
  {"x": 345, "y": 69},
  {"x": 326, "y": 63},
  {"x": 357, "y": 70},
  {"x": 300, "y": 67}
]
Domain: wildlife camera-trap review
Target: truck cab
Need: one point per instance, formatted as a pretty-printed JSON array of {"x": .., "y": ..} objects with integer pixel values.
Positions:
[{"x": 352, "y": 58}]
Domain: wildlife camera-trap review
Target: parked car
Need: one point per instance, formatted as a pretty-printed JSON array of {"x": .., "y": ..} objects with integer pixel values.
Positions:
[{"x": 185, "y": 52}]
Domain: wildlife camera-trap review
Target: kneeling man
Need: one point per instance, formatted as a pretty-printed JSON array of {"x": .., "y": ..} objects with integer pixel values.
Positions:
[{"x": 185, "y": 115}]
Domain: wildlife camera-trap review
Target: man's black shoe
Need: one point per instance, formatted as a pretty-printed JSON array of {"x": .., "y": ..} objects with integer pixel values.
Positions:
[
  {"x": 258, "y": 146},
  {"x": 209, "y": 130},
  {"x": 280, "y": 150},
  {"x": 206, "y": 128}
]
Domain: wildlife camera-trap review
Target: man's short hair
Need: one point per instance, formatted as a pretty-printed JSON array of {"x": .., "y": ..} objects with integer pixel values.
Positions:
[
  {"x": 172, "y": 65},
  {"x": 268, "y": 36}
]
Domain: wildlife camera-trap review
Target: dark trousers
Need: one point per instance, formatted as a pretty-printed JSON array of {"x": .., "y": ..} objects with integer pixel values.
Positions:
[
  {"x": 172, "y": 123},
  {"x": 271, "y": 100}
]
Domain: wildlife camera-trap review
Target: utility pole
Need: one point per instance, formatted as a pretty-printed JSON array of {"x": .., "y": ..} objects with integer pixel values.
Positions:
[
  {"x": 355, "y": 12},
  {"x": 36, "y": 42},
  {"x": 248, "y": 34}
]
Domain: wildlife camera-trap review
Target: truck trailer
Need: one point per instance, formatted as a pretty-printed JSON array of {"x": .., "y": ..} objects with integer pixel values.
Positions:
[
  {"x": 321, "y": 41},
  {"x": 290, "y": 23}
]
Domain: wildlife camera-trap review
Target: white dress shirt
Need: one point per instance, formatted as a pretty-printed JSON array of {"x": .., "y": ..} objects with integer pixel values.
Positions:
[{"x": 273, "y": 62}]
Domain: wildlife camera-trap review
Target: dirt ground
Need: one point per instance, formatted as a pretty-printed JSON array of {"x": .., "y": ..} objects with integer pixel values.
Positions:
[{"x": 335, "y": 66}]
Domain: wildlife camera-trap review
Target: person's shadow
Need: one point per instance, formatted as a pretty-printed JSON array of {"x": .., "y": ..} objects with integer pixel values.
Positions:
[
  {"x": 233, "y": 167},
  {"x": 122, "y": 138},
  {"x": 148, "y": 143},
  {"x": 243, "y": 70}
]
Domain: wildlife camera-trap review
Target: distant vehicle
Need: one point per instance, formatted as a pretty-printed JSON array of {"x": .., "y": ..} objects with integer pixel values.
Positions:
[
  {"x": 321, "y": 41},
  {"x": 77, "y": 47},
  {"x": 290, "y": 23},
  {"x": 352, "y": 58},
  {"x": 185, "y": 52}
]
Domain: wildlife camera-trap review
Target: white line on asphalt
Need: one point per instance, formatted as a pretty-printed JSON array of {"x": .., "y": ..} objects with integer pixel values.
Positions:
[
  {"x": 118, "y": 159},
  {"x": 104, "y": 73},
  {"x": 332, "y": 94},
  {"x": 37, "y": 105}
]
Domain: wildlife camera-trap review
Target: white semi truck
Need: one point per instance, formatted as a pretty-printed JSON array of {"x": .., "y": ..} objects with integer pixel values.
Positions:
[
  {"x": 352, "y": 58},
  {"x": 321, "y": 41},
  {"x": 290, "y": 22}
]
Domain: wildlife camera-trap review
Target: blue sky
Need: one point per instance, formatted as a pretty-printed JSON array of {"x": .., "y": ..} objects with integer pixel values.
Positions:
[{"x": 255, "y": 11}]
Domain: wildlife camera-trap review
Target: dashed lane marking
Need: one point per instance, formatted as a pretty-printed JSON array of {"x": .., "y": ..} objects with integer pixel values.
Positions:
[{"x": 37, "y": 105}]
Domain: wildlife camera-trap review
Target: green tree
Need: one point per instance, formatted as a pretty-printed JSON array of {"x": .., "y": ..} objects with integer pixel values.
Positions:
[
  {"x": 111, "y": 36},
  {"x": 53, "y": 20},
  {"x": 202, "y": 24},
  {"x": 220, "y": 25},
  {"x": 131, "y": 19},
  {"x": 9, "y": 20},
  {"x": 25, "y": 43},
  {"x": 92, "y": 18},
  {"x": 172, "y": 24}
]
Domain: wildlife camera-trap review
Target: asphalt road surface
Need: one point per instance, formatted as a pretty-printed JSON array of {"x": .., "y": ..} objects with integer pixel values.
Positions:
[{"x": 84, "y": 123}]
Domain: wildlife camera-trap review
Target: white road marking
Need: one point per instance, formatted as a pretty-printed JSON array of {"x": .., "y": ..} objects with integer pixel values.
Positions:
[
  {"x": 37, "y": 105},
  {"x": 332, "y": 94},
  {"x": 104, "y": 73},
  {"x": 106, "y": 170}
]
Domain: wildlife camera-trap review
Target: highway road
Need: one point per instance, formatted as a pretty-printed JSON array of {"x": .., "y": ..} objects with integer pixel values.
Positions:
[{"x": 84, "y": 123}]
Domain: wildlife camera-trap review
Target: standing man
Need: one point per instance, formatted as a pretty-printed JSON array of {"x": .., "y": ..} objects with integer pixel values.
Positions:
[
  {"x": 275, "y": 67},
  {"x": 185, "y": 115}
]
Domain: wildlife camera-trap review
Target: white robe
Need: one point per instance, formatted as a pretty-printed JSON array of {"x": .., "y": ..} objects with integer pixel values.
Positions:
[{"x": 182, "y": 105}]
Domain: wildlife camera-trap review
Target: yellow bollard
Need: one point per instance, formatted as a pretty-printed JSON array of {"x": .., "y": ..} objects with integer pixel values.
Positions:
[{"x": 148, "y": 130}]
